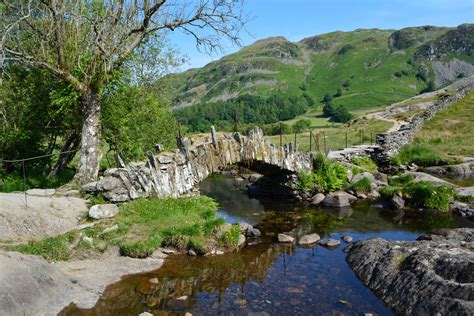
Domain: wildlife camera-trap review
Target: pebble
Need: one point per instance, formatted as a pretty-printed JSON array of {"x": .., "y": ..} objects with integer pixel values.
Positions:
[
  {"x": 192, "y": 253},
  {"x": 347, "y": 239}
]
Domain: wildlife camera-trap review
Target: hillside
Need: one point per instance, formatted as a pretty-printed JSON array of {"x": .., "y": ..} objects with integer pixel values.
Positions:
[{"x": 371, "y": 67}]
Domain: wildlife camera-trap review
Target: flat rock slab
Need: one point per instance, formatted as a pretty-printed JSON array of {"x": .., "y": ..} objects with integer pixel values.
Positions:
[
  {"x": 285, "y": 238},
  {"x": 41, "y": 192},
  {"x": 44, "y": 216},
  {"x": 430, "y": 276},
  {"x": 32, "y": 286}
]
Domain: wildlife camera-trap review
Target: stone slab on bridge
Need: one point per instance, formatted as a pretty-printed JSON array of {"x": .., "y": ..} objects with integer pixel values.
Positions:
[{"x": 178, "y": 173}]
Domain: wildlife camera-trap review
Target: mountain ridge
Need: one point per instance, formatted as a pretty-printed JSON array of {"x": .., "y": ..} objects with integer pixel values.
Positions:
[{"x": 363, "y": 64}]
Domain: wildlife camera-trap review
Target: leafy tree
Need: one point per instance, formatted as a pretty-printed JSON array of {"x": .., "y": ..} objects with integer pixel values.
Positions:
[
  {"x": 327, "y": 98},
  {"x": 338, "y": 93},
  {"x": 148, "y": 121},
  {"x": 347, "y": 84},
  {"x": 328, "y": 110},
  {"x": 36, "y": 112},
  {"x": 301, "y": 125},
  {"x": 86, "y": 43}
]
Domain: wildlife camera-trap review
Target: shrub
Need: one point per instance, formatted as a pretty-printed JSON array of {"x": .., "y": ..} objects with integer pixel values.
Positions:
[
  {"x": 418, "y": 154},
  {"x": 389, "y": 191},
  {"x": 326, "y": 176},
  {"x": 362, "y": 186},
  {"x": 424, "y": 194},
  {"x": 365, "y": 163},
  {"x": 230, "y": 238},
  {"x": 402, "y": 180}
]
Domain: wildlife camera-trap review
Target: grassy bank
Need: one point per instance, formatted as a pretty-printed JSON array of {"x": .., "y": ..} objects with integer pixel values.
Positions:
[
  {"x": 141, "y": 227},
  {"x": 451, "y": 132}
]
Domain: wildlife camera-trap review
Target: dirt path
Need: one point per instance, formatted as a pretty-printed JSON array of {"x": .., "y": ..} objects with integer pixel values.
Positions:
[{"x": 44, "y": 216}]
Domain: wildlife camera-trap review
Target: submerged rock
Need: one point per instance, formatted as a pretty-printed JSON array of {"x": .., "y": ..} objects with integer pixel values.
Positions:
[
  {"x": 285, "y": 238},
  {"x": 309, "y": 239},
  {"x": 430, "y": 276},
  {"x": 336, "y": 199},
  {"x": 101, "y": 211},
  {"x": 347, "y": 239},
  {"x": 330, "y": 243}
]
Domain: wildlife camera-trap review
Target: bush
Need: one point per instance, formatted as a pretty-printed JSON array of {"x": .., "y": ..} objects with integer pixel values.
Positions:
[
  {"x": 389, "y": 191},
  {"x": 301, "y": 125},
  {"x": 365, "y": 163},
  {"x": 362, "y": 186},
  {"x": 418, "y": 154},
  {"x": 424, "y": 194},
  {"x": 402, "y": 180},
  {"x": 230, "y": 238},
  {"x": 326, "y": 176}
]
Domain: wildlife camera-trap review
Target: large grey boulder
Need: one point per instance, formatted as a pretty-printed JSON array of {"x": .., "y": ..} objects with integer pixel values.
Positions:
[
  {"x": 421, "y": 176},
  {"x": 101, "y": 211},
  {"x": 336, "y": 199},
  {"x": 430, "y": 276},
  {"x": 309, "y": 239}
]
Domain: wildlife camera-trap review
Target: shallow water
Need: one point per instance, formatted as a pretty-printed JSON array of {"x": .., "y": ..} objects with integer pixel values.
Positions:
[{"x": 268, "y": 278}]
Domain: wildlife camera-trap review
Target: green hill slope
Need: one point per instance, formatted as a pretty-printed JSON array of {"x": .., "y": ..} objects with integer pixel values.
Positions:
[{"x": 369, "y": 67}]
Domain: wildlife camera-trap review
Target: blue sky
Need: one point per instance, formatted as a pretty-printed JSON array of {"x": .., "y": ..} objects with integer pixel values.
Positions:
[{"x": 297, "y": 19}]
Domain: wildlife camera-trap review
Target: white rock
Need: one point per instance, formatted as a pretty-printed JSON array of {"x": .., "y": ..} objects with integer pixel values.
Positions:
[
  {"x": 101, "y": 211},
  {"x": 285, "y": 238},
  {"x": 309, "y": 239}
]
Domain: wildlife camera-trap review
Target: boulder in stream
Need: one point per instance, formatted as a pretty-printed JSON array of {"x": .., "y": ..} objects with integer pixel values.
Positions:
[{"x": 430, "y": 276}]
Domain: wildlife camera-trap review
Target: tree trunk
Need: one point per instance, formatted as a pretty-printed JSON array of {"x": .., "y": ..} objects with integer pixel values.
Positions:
[
  {"x": 90, "y": 154},
  {"x": 72, "y": 143}
]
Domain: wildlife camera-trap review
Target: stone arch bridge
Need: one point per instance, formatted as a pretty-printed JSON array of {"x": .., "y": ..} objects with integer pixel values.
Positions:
[{"x": 176, "y": 174}]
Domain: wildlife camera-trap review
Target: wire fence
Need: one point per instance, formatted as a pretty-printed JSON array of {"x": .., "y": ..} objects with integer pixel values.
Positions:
[{"x": 23, "y": 167}]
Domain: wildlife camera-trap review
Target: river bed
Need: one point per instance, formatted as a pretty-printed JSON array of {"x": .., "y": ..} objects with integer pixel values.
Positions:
[{"x": 266, "y": 277}]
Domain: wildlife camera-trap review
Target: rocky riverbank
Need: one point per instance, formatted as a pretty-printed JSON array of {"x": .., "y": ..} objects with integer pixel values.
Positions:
[
  {"x": 32, "y": 286},
  {"x": 430, "y": 276}
]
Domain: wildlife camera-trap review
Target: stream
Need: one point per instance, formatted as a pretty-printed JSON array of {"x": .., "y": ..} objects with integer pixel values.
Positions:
[{"x": 266, "y": 277}]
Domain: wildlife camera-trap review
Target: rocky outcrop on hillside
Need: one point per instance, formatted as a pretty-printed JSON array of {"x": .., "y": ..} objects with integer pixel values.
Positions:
[
  {"x": 430, "y": 276},
  {"x": 458, "y": 40},
  {"x": 412, "y": 36}
]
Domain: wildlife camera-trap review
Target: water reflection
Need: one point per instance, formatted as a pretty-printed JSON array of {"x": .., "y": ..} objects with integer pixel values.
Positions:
[{"x": 267, "y": 277}]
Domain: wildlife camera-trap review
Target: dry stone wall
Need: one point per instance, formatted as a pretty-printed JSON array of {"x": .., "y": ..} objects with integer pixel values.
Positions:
[
  {"x": 177, "y": 174},
  {"x": 389, "y": 144}
]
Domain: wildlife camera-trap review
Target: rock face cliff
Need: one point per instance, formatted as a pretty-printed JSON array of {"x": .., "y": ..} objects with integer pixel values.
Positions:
[
  {"x": 430, "y": 276},
  {"x": 178, "y": 173}
]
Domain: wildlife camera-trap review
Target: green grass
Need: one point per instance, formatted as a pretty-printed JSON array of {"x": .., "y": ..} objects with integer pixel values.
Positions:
[
  {"x": 335, "y": 138},
  {"x": 451, "y": 132},
  {"x": 362, "y": 186},
  {"x": 52, "y": 249},
  {"x": 231, "y": 237},
  {"x": 365, "y": 163},
  {"x": 419, "y": 194},
  {"x": 419, "y": 154},
  {"x": 143, "y": 226}
]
